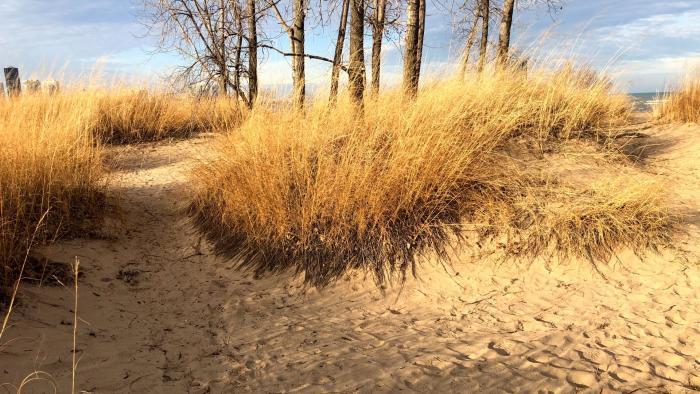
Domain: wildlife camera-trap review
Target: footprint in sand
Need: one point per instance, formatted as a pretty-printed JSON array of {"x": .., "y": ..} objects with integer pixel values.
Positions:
[
  {"x": 582, "y": 379},
  {"x": 507, "y": 347},
  {"x": 670, "y": 359}
]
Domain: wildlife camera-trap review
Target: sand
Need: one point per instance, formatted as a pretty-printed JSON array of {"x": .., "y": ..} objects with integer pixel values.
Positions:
[{"x": 159, "y": 313}]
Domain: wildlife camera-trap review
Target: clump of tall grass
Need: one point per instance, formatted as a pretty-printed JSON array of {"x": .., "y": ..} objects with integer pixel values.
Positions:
[
  {"x": 125, "y": 116},
  {"x": 682, "y": 105},
  {"x": 50, "y": 173},
  {"x": 329, "y": 191},
  {"x": 572, "y": 102},
  {"x": 553, "y": 219}
]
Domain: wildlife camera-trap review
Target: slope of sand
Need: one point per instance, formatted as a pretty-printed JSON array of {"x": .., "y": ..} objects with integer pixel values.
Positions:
[{"x": 159, "y": 313}]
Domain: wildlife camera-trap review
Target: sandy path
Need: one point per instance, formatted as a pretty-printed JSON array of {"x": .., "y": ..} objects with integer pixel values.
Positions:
[{"x": 159, "y": 316}]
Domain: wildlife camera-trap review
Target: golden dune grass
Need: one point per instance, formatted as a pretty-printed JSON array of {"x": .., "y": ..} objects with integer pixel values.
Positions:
[
  {"x": 683, "y": 105},
  {"x": 327, "y": 191},
  {"x": 51, "y": 155},
  {"x": 554, "y": 219},
  {"x": 320, "y": 192},
  {"x": 125, "y": 116},
  {"x": 50, "y": 163}
]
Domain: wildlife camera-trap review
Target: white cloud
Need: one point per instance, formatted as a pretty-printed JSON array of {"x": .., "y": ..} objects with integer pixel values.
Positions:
[
  {"x": 672, "y": 26},
  {"x": 68, "y": 36},
  {"x": 648, "y": 75}
]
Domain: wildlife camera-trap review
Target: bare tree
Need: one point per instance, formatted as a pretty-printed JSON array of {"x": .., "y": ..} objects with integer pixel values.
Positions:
[
  {"x": 415, "y": 31},
  {"x": 296, "y": 34},
  {"x": 473, "y": 18},
  {"x": 223, "y": 58},
  {"x": 337, "y": 58},
  {"x": 507, "y": 11},
  {"x": 470, "y": 42},
  {"x": 298, "y": 42},
  {"x": 421, "y": 36},
  {"x": 238, "y": 48},
  {"x": 205, "y": 34},
  {"x": 252, "y": 52},
  {"x": 504, "y": 34},
  {"x": 410, "y": 78},
  {"x": 483, "y": 47},
  {"x": 377, "y": 35},
  {"x": 356, "y": 67}
]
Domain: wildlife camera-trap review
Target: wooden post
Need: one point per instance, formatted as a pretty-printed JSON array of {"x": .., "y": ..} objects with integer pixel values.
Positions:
[{"x": 14, "y": 88}]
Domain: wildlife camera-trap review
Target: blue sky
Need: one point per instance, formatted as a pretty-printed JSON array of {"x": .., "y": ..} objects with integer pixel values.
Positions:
[{"x": 644, "y": 44}]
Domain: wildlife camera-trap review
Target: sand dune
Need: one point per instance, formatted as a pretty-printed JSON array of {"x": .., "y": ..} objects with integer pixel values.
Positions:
[{"x": 159, "y": 313}]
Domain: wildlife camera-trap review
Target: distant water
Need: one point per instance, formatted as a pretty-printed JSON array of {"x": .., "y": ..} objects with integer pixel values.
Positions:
[{"x": 645, "y": 102}]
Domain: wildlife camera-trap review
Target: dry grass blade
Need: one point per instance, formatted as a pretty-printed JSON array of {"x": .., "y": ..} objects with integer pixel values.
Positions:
[
  {"x": 74, "y": 364},
  {"x": 37, "y": 376}
]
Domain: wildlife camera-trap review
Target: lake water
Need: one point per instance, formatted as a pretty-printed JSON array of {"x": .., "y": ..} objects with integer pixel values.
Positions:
[{"x": 645, "y": 102}]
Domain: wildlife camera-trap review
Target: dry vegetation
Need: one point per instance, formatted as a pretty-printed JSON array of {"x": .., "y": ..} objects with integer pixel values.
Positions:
[
  {"x": 328, "y": 191},
  {"x": 683, "y": 105},
  {"x": 51, "y": 174},
  {"x": 129, "y": 117},
  {"x": 536, "y": 218},
  {"x": 325, "y": 192},
  {"x": 50, "y": 168}
]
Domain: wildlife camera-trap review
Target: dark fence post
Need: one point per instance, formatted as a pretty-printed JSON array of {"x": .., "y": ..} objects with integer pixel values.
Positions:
[{"x": 14, "y": 88}]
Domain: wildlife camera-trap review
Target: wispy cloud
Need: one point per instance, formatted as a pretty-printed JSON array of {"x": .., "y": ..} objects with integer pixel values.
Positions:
[
  {"x": 681, "y": 26},
  {"x": 37, "y": 34}
]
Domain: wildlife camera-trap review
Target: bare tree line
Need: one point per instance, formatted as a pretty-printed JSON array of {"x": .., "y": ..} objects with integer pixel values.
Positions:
[{"x": 221, "y": 39}]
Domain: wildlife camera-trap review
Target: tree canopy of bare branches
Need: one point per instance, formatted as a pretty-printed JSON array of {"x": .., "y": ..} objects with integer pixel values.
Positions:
[
  {"x": 220, "y": 40},
  {"x": 211, "y": 37}
]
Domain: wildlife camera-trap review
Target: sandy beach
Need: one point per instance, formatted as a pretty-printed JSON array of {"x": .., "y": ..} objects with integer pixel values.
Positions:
[{"x": 158, "y": 312}]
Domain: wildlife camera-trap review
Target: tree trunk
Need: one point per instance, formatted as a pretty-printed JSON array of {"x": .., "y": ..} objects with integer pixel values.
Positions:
[
  {"x": 410, "y": 80},
  {"x": 356, "y": 67},
  {"x": 297, "y": 38},
  {"x": 470, "y": 43},
  {"x": 484, "y": 33},
  {"x": 337, "y": 58},
  {"x": 252, "y": 53},
  {"x": 222, "y": 61},
  {"x": 377, "y": 35},
  {"x": 421, "y": 34},
  {"x": 504, "y": 35},
  {"x": 237, "y": 57}
]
